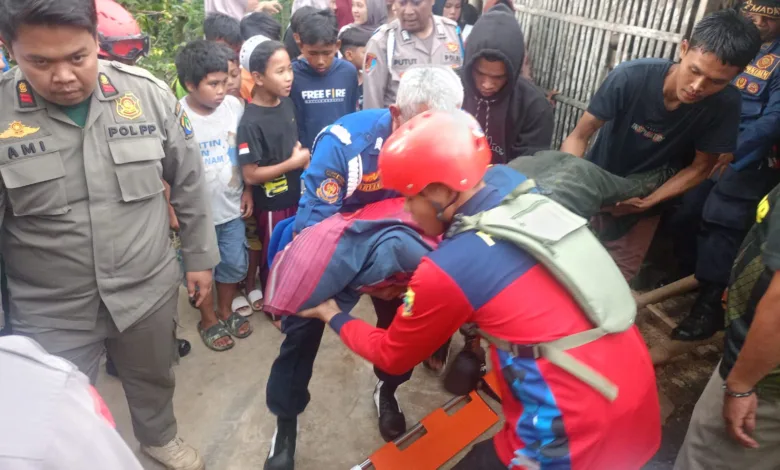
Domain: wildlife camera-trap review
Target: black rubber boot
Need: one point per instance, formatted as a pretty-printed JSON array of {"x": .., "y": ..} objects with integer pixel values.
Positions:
[
  {"x": 282, "y": 453},
  {"x": 392, "y": 423},
  {"x": 706, "y": 317},
  {"x": 184, "y": 347}
]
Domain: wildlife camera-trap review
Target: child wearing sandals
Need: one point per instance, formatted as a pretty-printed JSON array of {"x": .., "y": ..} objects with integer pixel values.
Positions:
[
  {"x": 211, "y": 116},
  {"x": 270, "y": 155}
]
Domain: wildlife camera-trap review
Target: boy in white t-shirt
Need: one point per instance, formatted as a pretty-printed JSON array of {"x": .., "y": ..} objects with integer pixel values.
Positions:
[{"x": 213, "y": 116}]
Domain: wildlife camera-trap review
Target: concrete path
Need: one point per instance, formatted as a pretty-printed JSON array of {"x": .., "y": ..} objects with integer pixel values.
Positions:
[{"x": 220, "y": 400}]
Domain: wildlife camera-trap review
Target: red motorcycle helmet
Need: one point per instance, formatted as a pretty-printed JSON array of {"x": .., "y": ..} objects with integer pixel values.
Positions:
[
  {"x": 119, "y": 35},
  {"x": 446, "y": 147}
]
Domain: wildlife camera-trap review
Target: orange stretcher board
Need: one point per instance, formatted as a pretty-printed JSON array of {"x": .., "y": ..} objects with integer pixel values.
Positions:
[{"x": 436, "y": 438}]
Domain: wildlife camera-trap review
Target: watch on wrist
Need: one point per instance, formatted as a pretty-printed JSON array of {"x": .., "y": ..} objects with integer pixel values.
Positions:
[{"x": 733, "y": 394}]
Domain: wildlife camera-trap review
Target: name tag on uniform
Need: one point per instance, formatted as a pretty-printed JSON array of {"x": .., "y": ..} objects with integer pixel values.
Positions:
[{"x": 134, "y": 130}]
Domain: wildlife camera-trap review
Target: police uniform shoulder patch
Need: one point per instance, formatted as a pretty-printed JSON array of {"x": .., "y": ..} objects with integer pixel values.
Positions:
[
  {"x": 741, "y": 83},
  {"x": 108, "y": 88},
  {"x": 452, "y": 47},
  {"x": 753, "y": 88},
  {"x": 128, "y": 106},
  {"x": 408, "y": 303},
  {"x": 186, "y": 125},
  {"x": 24, "y": 95},
  {"x": 329, "y": 190},
  {"x": 177, "y": 110},
  {"x": 765, "y": 62},
  {"x": 370, "y": 63},
  {"x": 17, "y": 130}
]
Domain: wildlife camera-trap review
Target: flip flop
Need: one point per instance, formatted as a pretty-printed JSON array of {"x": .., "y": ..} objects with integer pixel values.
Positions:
[
  {"x": 234, "y": 322},
  {"x": 254, "y": 297},
  {"x": 211, "y": 334},
  {"x": 241, "y": 306}
]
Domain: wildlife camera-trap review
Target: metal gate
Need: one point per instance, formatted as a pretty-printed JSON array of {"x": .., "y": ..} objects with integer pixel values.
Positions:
[{"x": 573, "y": 44}]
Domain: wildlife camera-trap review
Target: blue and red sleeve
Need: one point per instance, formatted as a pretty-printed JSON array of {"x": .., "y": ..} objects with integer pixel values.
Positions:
[{"x": 434, "y": 308}]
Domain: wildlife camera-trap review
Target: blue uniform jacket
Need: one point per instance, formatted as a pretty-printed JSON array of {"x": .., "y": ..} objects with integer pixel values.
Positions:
[
  {"x": 343, "y": 174},
  {"x": 759, "y": 128}
]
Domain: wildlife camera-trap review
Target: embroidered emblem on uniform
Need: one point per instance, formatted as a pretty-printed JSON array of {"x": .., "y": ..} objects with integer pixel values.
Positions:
[
  {"x": 370, "y": 63},
  {"x": 108, "y": 88},
  {"x": 18, "y": 130},
  {"x": 370, "y": 182},
  {"x": 26, "y": 99},
  {"x": 753, "y": 87},
  {"x": 128, "y": 106},
  {"x": 186, "y": 125},
  {"x": 741, "y": 83},
  {"x": 329, "y": 191},
  {"x": 452, "y": 47},
  {"x": 178, "y": 109},
  {"x": 408, "y": 303},
  {"x": 405, "y": 35},
  {"x": 763, "y": 67},
  {"x": 764, "y": 62}
]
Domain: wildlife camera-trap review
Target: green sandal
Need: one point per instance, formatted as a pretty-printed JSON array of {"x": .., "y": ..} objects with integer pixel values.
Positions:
[
  {"x": 211, "y": 334},
  {"x": 234, "y": 322}
]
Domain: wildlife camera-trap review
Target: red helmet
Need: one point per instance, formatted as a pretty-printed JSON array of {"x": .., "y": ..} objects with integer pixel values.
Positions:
[
  {"x": 435, "y": 147},
  {"x": 119, "y": 35}
]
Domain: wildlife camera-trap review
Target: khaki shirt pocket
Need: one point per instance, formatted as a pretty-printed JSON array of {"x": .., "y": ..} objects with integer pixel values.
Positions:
[
  {"x": 138, "y": 167},
  {"x": 36, "y": 185}
]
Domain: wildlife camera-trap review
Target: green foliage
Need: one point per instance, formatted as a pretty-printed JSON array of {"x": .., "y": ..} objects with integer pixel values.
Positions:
[{"x": 169, "y": 24}]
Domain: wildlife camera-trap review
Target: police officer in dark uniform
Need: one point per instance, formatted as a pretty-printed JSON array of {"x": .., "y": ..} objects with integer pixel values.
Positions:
[{"x": 721, "y": 210}]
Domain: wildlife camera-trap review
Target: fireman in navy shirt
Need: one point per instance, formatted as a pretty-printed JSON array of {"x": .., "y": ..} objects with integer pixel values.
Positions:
[
  {"x": 325, "y": 88},
  {"x": 343, "y": 177}
]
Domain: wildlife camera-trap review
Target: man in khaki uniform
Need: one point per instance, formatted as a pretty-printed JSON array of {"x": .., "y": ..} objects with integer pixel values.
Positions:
[
  {"x": 415, "y": 37},
  {"x": 84, "y": 145}
]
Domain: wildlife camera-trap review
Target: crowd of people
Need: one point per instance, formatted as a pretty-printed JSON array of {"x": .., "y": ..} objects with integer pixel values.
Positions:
[{"x": 364, "y": 151}]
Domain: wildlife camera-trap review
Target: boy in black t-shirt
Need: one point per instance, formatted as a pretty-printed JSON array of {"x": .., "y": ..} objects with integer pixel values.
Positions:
[
  {"x": 269, "y": 153},
  {"x": 654, "y": 114}
]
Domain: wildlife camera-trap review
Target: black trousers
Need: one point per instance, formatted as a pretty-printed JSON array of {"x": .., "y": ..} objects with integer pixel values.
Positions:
[
  {"x": 715, "y": 217},
  {"x": 287, "y": 390},
  {"x": 481, "y": 457}
]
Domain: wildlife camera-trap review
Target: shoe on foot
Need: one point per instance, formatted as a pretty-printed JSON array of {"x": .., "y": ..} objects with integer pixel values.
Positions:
[
  {"x": 706, "y": 317},
  {"x": 282, "y": 453},
  {"x": 176, "y": 455},
  {"x": 392, "y": 423}
]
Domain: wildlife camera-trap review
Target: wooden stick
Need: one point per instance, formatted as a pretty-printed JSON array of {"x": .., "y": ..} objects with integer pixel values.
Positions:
[
  {"x": 658, "y": 312},
  {"x": 679, "y": 287}
]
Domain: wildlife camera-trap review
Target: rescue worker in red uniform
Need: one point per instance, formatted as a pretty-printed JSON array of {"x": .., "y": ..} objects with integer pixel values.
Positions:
[{"x": 553, "y": 420}]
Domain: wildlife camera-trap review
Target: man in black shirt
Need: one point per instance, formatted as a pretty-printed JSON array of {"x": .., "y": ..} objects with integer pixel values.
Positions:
[{"x": 654, "y": 114}]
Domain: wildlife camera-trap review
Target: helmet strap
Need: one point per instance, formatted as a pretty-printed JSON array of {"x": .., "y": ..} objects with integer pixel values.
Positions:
[{"x": 441, "y": 209}]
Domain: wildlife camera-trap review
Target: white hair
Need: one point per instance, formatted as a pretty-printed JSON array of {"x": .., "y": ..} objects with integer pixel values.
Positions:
[{"x": 434, "y": 87}]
